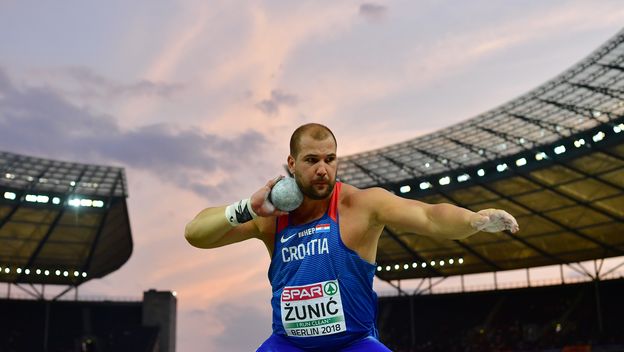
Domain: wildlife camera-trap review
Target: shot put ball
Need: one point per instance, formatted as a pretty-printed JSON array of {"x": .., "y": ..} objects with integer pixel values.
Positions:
[{"x": 286, "y": 195}]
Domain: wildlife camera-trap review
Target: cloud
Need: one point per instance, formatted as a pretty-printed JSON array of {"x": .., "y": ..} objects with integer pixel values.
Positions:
[
  {"x": 83, "y": 82},
  {"x": 39, "y": 121},
  {"x": 373, "y": 12},
  {"x": 278, "y": 98}
]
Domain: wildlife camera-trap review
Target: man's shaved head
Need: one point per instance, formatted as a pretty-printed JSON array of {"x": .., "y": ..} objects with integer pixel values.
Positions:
[{"x": 315, "y": 130}]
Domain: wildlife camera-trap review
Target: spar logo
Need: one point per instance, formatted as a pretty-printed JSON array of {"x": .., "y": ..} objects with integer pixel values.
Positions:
[{"x": 300, "y": 293}]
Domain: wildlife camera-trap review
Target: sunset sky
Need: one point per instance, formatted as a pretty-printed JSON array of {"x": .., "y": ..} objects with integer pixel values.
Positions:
[{"x": 197, "y": 100}]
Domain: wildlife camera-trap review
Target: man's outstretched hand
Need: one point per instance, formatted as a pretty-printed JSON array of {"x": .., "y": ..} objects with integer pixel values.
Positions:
[{"x": 494, "y": 220}]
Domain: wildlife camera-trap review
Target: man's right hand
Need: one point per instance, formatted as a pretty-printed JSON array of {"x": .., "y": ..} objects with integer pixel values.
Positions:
[{"x": 260, "y": 200}]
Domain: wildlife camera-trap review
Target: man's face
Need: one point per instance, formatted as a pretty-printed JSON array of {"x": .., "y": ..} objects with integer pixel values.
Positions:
[{"x": 315, "y": 167}]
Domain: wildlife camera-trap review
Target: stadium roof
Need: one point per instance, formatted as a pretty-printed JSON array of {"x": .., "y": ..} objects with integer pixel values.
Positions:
[
  {"x": 553, "y": 157},
  {"x": 61, "y": 222}
]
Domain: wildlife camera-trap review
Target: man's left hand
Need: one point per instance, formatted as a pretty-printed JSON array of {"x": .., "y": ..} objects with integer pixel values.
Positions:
[{"x": 494, "y": 220}]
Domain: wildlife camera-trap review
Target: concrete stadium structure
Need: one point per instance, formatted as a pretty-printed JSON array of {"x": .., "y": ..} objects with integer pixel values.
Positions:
[{"x": 63, "y": 224}]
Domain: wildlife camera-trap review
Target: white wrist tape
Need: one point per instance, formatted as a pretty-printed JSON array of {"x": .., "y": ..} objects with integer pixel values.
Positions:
[{"x": 239, "y": 212}]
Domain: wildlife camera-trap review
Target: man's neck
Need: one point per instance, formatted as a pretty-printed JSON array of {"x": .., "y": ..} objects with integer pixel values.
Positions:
[{"x": 309, "y": 210}]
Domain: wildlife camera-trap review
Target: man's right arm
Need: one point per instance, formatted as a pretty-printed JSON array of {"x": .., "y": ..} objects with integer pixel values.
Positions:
[{"x": 211, "y": 228}]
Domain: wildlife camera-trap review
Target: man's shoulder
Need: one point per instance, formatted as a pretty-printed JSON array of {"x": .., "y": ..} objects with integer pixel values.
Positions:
[
  {"x": 362, "y": 205},
  {"x": 351, "y": 195}
]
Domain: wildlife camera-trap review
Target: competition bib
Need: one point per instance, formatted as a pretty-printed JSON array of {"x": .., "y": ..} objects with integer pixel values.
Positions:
[{"x": 312, "y": 310}]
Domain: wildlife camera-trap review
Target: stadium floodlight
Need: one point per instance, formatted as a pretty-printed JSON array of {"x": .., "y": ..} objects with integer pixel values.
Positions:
[
  {"x": 441, "y": 262},
  {"x": 598, "y": 136},
  {"x": 405, "y": 189},
  {"x": 27, "y": 271},
  {"x": 521, "y": 162},
  {"x": 460, "y": 260},
  {"x": 432, "y": 263},
  {"x": 425, "y": 185},
  {"x": 396, "y": 266},
  {"x": 174, "y": 293},
  {"x": 31, "y": 198},
  {"x": 84, "y": 274},
  {"x": 46, "y": 273},
  {"x": 18, "y": 270},
  {"x": 100, "y": 204},
  {"x": 74, "y": 202},
  {"x": 72, "y": 183},
  {"x": 58, "y": 273},
  {"x": 463, "y": 178},
  {"x": 56, "y": 200},
  {"x": 423, "y": 264},
  {"x": 619, "y": 128},
  {"x": 406, "y": 266},
  {"x": 42, "y": 199},
  {"x": 501, "y": 167},
  {"x": 7, "y": 270},
  {"x": 560, "y": 149},
  {"x": 388, "y": 268},
  {"x": 10, "y": 195},
  {"x": 540, "y": 156},
  {"x": 38, "y": 271},
  {"x": 579, "y": 143},
  {"x": 86, "y": 202},
  {"x": 444, "y": 180},
  {"x": 451, "y": 261},
  {"x": 427, "y": 165},
  {"x": 65, "y": 273},
  {"x": 379, "y": 268},
  {"x": 481, "y": 172},
  {"x": 76, "y": 273},
  {"x": 414, "y": 265},
  {"x": 9, "y": 176}
]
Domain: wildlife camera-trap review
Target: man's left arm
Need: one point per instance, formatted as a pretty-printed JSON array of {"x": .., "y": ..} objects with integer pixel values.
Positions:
[{"x": 436, "y": 220}]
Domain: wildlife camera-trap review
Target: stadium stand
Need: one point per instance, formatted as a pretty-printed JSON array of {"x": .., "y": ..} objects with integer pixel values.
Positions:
[
  {"x": 551, "y": 318},
  {"x": 61, "y": 225},
  {"x": 88, "y": 326}
]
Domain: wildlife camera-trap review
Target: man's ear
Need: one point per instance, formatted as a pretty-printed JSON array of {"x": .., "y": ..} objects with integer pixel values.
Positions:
[{"x": 291, "y": 164}]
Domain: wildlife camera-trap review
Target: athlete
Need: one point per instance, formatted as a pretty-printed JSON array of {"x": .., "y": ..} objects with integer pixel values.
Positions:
[{"x": 323, "y": 253}]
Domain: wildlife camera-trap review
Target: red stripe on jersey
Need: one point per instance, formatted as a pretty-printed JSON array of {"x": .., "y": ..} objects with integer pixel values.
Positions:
[
  {"x": 282, "y": 222},
  {"x": 333, "y": 204}
]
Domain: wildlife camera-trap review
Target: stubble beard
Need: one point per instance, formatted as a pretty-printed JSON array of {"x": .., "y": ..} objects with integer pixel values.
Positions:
[{"x": 310, "y": 192}]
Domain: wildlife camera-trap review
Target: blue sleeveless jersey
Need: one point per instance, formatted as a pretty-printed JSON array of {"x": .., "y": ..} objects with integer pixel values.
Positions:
[{"x": 323, "y": 294}]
